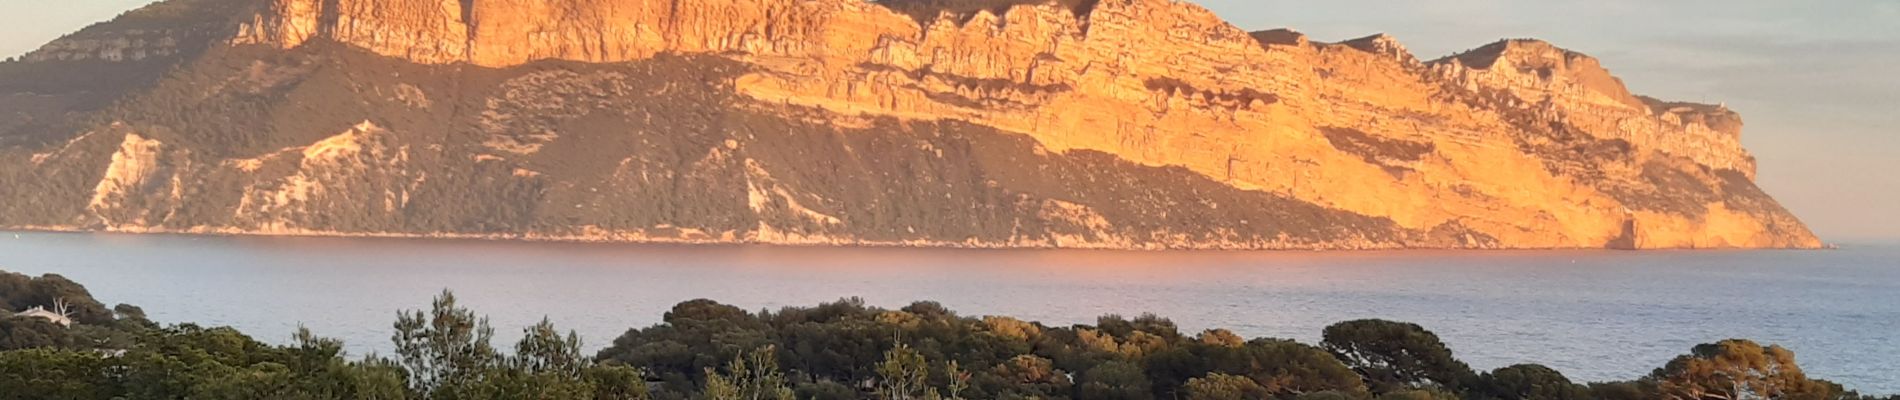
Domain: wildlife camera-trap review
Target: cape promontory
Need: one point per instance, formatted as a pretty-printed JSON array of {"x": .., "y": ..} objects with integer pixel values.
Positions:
[{"x": 1002, "y": 123}]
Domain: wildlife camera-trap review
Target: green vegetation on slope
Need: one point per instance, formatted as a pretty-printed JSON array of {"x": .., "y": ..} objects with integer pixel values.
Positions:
[{"x": 839, "y": 350}]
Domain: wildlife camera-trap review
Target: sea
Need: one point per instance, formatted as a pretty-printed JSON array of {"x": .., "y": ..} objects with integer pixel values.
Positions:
[{"x": 1593, "y": 315}]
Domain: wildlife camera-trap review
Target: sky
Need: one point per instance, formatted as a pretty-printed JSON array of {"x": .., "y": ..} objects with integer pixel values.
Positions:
[{"x": 1818, "y": 82}]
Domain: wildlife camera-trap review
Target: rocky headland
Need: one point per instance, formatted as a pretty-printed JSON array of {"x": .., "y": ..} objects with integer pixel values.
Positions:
[{"x": 1140, "y": 124}]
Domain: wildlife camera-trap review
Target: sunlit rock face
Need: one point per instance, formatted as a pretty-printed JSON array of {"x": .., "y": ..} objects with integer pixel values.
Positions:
[{"x": 907, "y": 123}]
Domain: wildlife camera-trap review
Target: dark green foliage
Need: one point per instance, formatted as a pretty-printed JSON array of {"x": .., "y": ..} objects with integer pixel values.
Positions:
[
  {"x": 1528, "y": 382},
  {"x": 446, "y": 349},
  {"x": 188, "y": 361},
  {"x": 1329, "y": 395},
  {"x": 825, "y": 390},
  {"x": 20, "y": 292},
  {"x": 1278, "y": 367},
  {"x": 46, "y": 373},
  {"x": 1024, "y": 376},
  {"x": 1218, "y": 386},
  {"x": 326, "y": 374},
  {"x": 845, "y": 341},
  {"x": 1115, "y": 380},
  {"x": 1418, "y": 394},
  {"x": 94, "y": 327},
  {"x": 904, "y": 375},
  {"x": 752, "y": 375},
  {"x": 444, "y": 354},
  {"x": 1633, "y": 390},
  {"x": 695, "y": 336},
  {"x": 32, "y": 333},
  {"x": 835, "y": 351},
  {"x": 616, "y": 382},
  {"x": 131, "y": 313},
  {"x": 1287, "y": 367},
  {"x": 548, "y": 365},
  {"x": 1394, "y": 356}
]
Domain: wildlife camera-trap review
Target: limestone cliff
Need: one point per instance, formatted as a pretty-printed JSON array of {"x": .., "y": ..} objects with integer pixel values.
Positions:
[{"x": 1077, "y": 123}]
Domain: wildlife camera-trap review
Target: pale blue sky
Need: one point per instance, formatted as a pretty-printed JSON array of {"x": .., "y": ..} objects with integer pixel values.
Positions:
[{"x": 1817, "y": 81}]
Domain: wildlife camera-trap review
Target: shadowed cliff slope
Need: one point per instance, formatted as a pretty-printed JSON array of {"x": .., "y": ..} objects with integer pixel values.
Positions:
[{"x": 1110, "y": 124}]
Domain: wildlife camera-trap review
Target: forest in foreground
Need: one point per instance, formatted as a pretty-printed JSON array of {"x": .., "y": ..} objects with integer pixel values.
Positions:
[{"x": 75, "y": 347}]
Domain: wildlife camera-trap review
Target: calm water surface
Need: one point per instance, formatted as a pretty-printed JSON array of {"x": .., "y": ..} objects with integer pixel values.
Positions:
[{"x": 1594, "y": 315}]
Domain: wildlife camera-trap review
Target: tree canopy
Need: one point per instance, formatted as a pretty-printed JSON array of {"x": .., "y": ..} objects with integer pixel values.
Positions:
[
  {"x": 1395, "y": 356},
  {"x": 840, "y": 350}
]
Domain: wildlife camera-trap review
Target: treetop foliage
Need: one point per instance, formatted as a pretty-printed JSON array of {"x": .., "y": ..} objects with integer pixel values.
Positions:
[{"x": 838, "y": 350}]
